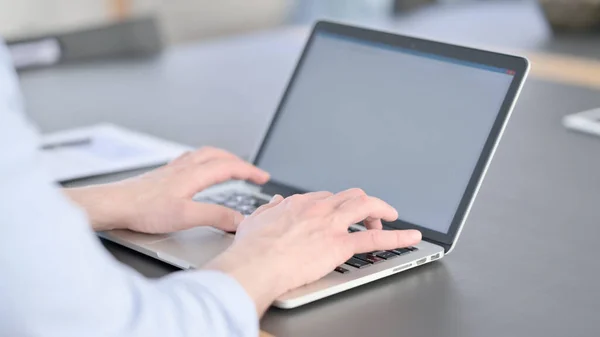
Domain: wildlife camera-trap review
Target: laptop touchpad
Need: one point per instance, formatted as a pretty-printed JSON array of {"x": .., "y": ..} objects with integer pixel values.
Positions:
[{"x": 195, "y": 246}]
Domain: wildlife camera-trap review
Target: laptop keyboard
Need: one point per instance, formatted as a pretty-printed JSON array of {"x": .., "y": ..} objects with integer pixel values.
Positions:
[
  {"x": 366, "y": 259},
  {"x": 247, "y": 204},
  {"x": 243, "y": 203}
]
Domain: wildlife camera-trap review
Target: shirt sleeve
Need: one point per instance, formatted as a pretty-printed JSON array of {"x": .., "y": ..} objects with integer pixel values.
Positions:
[{"x": 56, "y": 279}]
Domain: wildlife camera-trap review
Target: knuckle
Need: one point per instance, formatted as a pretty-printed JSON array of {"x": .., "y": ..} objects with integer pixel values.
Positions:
[
  {"x": 327, "y": 193},
  {"x": 295, "y": 198},
  {"x": 364, "y": 199},
  {"x": 357, "y": 191},
  {"x": 205, "y": 149},
  {"x": 292, "y": 199}
]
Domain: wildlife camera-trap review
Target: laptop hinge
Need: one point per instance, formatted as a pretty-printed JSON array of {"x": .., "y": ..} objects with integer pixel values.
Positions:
[
  {"x": 441, "y": 244},
  {"x": 437, "y": 243}
]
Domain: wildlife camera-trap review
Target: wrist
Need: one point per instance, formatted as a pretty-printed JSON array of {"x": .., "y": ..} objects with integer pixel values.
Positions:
[
  {"x": 102, "y": 205},
  {"x": 261, "y": 278}
]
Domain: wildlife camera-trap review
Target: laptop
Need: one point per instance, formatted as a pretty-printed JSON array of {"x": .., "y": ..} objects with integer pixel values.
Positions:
[{"x": 411, "y": 121}]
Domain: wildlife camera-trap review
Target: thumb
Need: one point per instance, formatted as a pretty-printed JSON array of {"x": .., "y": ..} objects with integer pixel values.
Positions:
[
  {"x": 221, "y": 217},
  {"x": 274, "y": 202}
]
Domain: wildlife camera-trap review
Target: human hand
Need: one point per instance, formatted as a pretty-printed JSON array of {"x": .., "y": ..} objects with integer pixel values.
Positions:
[
  {"x": 291, "y": 242},
  {"x": 160, "y": 201}
]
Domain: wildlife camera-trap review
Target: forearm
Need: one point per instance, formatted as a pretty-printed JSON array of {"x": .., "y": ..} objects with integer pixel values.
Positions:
[
  {"x": 57, "y": 280},
  {"x": 78, "y": 289},
  {"x": 102, "y": 205}
]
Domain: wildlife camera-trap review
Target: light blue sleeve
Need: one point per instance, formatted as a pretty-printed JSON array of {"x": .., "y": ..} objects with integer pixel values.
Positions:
[{"x": 56, "y": 279}]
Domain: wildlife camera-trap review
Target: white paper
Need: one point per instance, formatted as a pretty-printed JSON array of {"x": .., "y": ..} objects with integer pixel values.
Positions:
[
  {"x": 587, "y": 122},
  {"x": 111, "y": 149},
  {"x": 35, "y": 53}
]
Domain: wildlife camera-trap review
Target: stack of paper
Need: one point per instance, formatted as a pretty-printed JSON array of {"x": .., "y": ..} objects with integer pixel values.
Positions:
[{"x": 103, "y": 149}]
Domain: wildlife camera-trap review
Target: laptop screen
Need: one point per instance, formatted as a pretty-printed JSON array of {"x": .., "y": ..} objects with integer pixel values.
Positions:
[{"x": 407, "y": 127}]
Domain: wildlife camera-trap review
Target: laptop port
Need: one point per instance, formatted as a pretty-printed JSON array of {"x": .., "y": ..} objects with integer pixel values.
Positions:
[
  {"x": 436, "y": 256},
  {"x": 421, "y": 261}
]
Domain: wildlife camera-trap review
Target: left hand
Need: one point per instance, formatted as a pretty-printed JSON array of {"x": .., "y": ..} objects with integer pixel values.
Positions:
[{"x": 160, "y": 201}]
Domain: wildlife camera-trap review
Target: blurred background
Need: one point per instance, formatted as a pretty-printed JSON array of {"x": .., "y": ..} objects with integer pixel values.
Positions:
[
  {"x": 105, "y": 27},
  {"x": 157, "y": 66}
]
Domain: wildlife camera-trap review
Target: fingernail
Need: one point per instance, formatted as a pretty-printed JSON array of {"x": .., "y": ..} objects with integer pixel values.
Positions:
[
  {"x": 414, "y": 235},
  {"x": 275, "y": 198}
]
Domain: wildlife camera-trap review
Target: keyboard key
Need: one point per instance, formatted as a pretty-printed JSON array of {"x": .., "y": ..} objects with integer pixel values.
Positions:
[
  {"x": 400, "y": 251},
  {"x": 244, "y": 203},
  {"x": 369, "y": 257},
  {"x": 247, "y": 210},
  {"x": 248, "y": 202},
  {"x": 386, "y": 255},
  {"x": 342, "y": 270},
  {"x": 220, "y": 198},
  {"x": 353, "y": 230},
  {"x": 412, "y": 249},
  {"x": 237, "y": 198},
  {"x": 356, "y": 263}
]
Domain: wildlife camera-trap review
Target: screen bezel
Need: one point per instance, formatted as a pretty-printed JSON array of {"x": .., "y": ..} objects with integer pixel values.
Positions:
[{"x": 517, "y": 64}]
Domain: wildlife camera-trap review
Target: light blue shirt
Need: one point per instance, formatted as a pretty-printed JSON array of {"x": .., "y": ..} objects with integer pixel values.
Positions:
[{"x": 56, "y": 279}]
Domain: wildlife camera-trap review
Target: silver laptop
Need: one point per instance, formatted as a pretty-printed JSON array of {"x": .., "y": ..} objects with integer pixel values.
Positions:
[{"x": 411, "y": 121}]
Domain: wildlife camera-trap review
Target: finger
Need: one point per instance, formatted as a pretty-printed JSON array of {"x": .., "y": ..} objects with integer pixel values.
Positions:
[
  {"x": 339, "y": 198},
  {"x": 316, "y": 195},
  {"x": 373, "y": 240},
  {"x": 208, "y": 153},
  {"x": 200, "y": 214},
  {"x": 219, "y": 171},
  {"x": 373, "y": 223},
  {"x": 276, "y": 200},
  {"x": 366, "y": 207}
]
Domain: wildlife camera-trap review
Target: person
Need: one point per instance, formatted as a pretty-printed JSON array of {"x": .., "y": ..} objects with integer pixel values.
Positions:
[{"x": 57, "y": 279}]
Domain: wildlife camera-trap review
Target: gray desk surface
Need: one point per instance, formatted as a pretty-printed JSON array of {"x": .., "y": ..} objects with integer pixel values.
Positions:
[{"x": 525, "y": 265}]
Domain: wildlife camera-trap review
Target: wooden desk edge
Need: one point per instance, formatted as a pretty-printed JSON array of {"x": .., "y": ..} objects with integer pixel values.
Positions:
[
  {"x": 265, "y": 334},
  {"x": 565, "y": 69}
]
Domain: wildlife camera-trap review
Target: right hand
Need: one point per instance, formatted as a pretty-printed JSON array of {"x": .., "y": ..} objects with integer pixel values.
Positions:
[{"x": 291, "y": 242}]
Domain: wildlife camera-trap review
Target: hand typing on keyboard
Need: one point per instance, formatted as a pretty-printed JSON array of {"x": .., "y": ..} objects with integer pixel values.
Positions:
[
  {"x": 291, "y": 242},
  {"x": 160, "y": 201}
]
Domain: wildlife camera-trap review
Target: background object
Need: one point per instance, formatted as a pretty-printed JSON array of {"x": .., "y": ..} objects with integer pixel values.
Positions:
[
  {"x": 185, "y": 20},
  {"x": 133, "y": 37},
  {"x": 406, "y": 5},
  {"x": 177, "y": 20},
  {"x": 572, "y": 15},
  {"x": 37, "y": 53},
  {"x": 566, "y": 69},
  {"x": 587, "y": 122},
  {"x": 103, "y": 149},
  {"x": 308, "y": 11}
]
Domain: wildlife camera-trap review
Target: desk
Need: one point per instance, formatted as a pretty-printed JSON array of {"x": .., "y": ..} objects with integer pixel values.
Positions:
[{"x": 525, "y": 263}]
